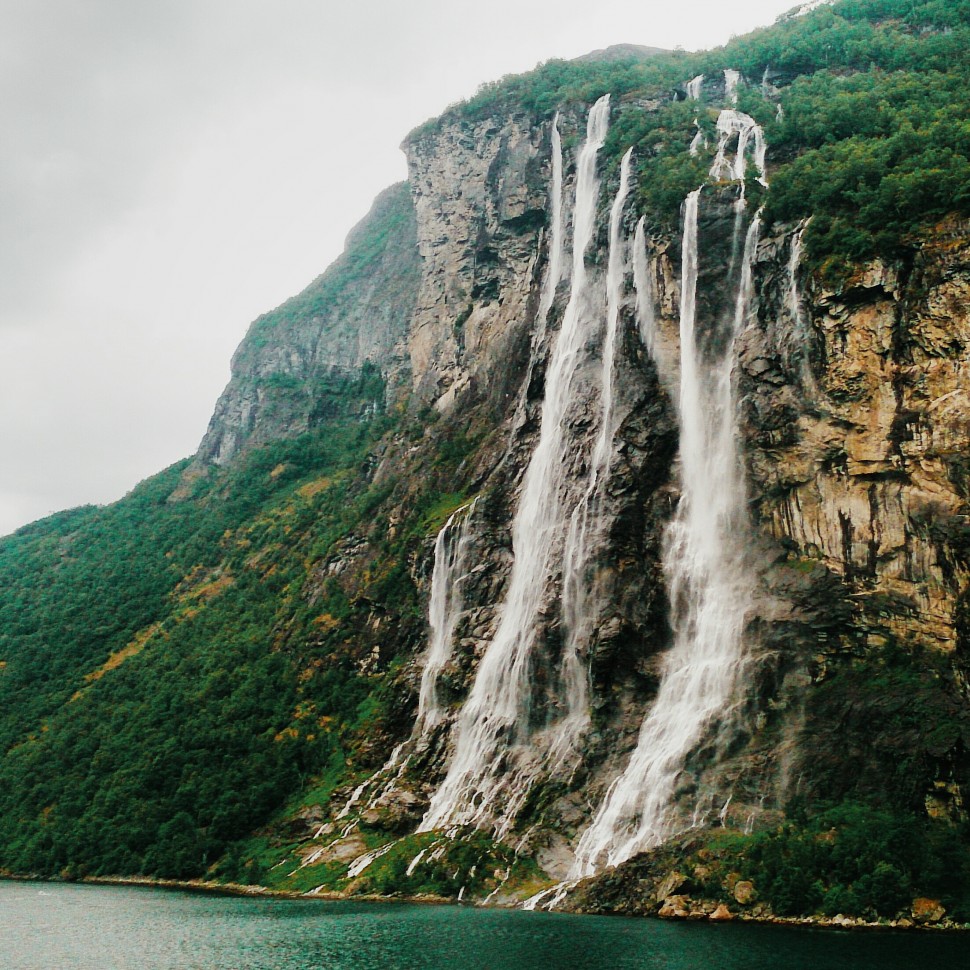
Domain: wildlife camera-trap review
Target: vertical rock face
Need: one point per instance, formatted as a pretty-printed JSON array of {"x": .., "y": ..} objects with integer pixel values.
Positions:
[
  {"x": 480, "y": 191},
  {"x": 854, "y": 418},
  {"x": 862, "y": 466},
  {"x": 304, "y": 361}
]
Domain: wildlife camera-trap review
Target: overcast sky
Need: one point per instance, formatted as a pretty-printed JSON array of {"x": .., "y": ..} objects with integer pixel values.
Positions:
[{"x": 170, "y": 169}]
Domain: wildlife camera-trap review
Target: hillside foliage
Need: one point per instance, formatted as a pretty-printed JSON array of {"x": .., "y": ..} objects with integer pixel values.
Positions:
[{"x": 873, "y": 140}]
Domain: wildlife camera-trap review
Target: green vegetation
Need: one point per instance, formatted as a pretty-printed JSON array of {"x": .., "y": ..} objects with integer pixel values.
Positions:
[
  {"x": 149, "y": 680},
  {"x": 848, "y": 858},
  {"x": 873, "y": 145},
  {"x": 181, "y": 667},
  {"x": 385, "y": 236}
]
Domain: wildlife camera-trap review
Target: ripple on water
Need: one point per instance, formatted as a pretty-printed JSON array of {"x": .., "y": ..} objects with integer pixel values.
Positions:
[{"x": 73, "y": 927}]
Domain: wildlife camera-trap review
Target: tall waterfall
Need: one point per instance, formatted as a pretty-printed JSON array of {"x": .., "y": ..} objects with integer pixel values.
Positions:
[
  {"x": 695, "y": 87},
  {"x": 450, "y": 559},
  {"x": 586, "y": 521},
  {"x": 494, "y": 719},
  {"x": 801, "y": 328},
  {"x": 554, "y": 272},
  {"x": 444, "y": 609},
  {"x": 643, "y": 284},
  {"x": 709, "y": 587}
]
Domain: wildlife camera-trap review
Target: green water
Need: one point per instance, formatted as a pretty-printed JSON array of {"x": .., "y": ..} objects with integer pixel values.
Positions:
[{"x": 45, "y": 926}]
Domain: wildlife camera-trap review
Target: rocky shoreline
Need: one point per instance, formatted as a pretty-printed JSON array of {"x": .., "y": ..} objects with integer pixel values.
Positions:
[{"x": 927, "y": 914}]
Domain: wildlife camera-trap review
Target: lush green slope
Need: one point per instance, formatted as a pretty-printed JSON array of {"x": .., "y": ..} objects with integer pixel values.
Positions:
[
  {"x": 873, "y": 143},
  {"x": 146, "y": 671}
]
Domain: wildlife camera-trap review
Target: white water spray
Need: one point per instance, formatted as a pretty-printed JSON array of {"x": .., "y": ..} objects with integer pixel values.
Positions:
[
  {"x": 731, "y": 124},
  {"x": 586, "y": 522},
  {"x": 643, "y": 285},
  {"x": 695, "y": 86},
  {"x": 554, "y": 272},
  {"x": 796, "y": 312},
  {"x": 710, "y": 589},
  {"x": 450, "y": 556},
  {"x": 494, "y": 719}
]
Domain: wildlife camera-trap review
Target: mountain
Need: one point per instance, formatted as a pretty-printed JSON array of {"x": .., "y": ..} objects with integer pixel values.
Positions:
[{"x": 593, "y": 532}]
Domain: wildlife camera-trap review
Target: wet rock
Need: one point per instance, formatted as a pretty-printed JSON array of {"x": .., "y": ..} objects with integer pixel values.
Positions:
[
  {"x": 722, "y": 914},
  {"x": 303, "y": 825},
  {"x": 670, "y": 884},
  {"x": 675, "y": 907},
  {"x": 927, "y": 910},
  {"x": 744, "y": 892}
]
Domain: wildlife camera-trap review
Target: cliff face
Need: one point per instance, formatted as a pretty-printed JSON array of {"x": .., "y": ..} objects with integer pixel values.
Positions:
[
  {"x": 302, "y": 362},
  {"x": 852, "y": 409},
  {"x": 480, "y": 193},
  {"x": 858, "y": 459}
]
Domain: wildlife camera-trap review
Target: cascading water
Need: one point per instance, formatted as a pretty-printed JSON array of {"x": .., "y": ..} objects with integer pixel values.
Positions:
[
  {"x": 796, "y": 313},
  {"x": 494, "y": 719},
  {"x": 445, "y": 599},
  {"x": 695, "y": 87},
  {"x": 698, "y": 141},
  {"x": 731, "y": 123},
  {"x": 444, "y": 609},
  {"x": 450, "y": 558},
  {"x": 643, "y": 284},
  {"x": 710, "y": 590},
  {"x": 554, "y": 272},
  {"x": 645, "y": 308},
  {"x": 586, "y": 521},
  {"x": 731, "y": 79}
]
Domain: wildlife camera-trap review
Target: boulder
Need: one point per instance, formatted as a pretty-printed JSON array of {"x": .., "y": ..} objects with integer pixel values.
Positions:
[
  {"x": 674, "y": 907},
  {"x": 927, "y": 910},
  {"x": 744, "y": 892},
  {"x": 722, "y": 914}
]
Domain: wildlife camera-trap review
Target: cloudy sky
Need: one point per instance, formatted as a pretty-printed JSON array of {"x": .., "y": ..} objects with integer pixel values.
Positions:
[{"x": 170, "y": 169}]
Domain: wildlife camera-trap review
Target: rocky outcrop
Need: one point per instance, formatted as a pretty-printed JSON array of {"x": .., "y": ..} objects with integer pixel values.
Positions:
[
  {"x": 331, "y": 349},
  {"x": 858, "y": 458},
  {"x": 480, "y": 192}
]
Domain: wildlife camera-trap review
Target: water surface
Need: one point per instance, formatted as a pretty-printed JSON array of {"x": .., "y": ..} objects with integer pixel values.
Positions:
[{"x": 44, "y": 926}]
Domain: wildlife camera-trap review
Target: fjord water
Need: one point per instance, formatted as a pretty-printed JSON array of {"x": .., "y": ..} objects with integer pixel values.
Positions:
[{"x": 120, "y": 928}]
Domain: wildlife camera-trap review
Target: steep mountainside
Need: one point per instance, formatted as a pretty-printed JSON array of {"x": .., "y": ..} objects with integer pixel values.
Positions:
[{"x": 593, "y": 533}]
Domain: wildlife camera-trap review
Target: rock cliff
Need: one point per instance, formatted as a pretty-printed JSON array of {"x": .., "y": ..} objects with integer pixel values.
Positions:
[
  {"x": 853, "y": 412},
  {"x": 303, "y": 362}
]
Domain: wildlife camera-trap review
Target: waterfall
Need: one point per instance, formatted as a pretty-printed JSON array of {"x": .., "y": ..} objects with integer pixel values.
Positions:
[
  {"x": 444, "y": 608},
  {"x": 643, "y": 285},
  {"x": 731, "y": 123},
  {"x": 731, "y": 79},
  {"x": 800, "y": 326},
  {"x": 709, "y": 588},
  {"x": 494, "y": 718},
  {"x": 450, "y": 556},
  {"x": 554, "y": 272},
  {"x": 586, "y": 521},
  {"x": 695, "y": 86},
  {"x": 451, "y": 544},
  {"x": 698, "y": 141}
]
